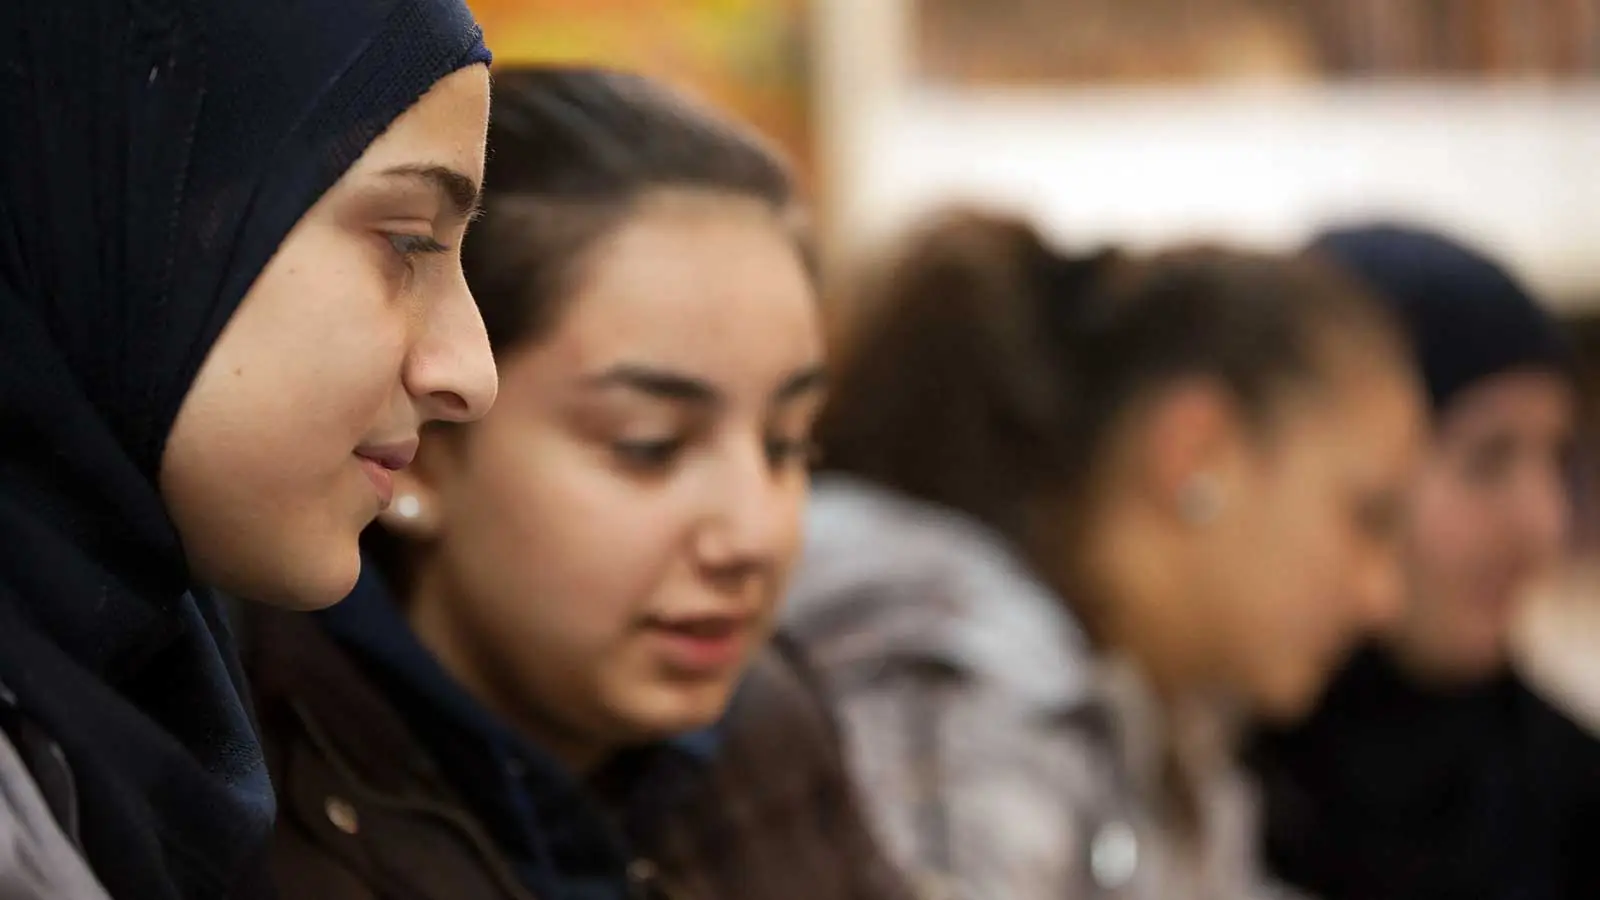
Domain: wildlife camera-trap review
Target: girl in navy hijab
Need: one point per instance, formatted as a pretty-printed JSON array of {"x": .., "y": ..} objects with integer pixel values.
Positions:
[
  {"x": 1432, "y": 770},
  {"x": 230, "y": 297}
]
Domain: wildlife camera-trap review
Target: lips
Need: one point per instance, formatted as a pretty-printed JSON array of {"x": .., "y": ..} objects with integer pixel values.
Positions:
[
  {"x": 393, "y": 457},
  {"x": 702, "y": 646},
  {"x": 381, "y": 461},
  {"x": 382, "y": 479}
]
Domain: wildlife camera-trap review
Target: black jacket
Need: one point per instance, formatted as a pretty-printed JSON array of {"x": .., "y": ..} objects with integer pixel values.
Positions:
[{"x": 1393, "y": 793}]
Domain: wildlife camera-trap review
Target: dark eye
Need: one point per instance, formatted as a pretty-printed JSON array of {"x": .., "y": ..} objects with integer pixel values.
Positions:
[
  {"x": 1489, "y": 462},
  {"x": 410, "y": 246},
  {"x": 1567, "y": 458},
  {"x": 785, "y": 452},
  {"x": 1381, "y": 517},
  {"x": 648, "y": 455}
]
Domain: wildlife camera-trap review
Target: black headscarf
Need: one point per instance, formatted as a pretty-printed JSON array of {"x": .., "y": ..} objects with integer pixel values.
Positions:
[{"x": 153, "y": 156}]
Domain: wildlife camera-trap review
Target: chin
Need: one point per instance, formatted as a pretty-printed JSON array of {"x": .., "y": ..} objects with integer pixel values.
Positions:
[
  {"x": 1283, "y": 713},
  {"x": 1474, "y": 650},
  {"x": 679, "y": 710},
  {"x": 1480, "y": 662},
  {"x": 319, "y": 581},
  {"x": 1290, "y": 702}
]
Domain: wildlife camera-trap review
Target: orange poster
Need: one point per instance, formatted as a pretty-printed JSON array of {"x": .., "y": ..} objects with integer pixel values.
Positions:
[{"x": 746, "y": 56}]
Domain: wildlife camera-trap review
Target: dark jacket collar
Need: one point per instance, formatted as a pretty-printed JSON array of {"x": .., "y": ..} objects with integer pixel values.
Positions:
[
  {"x": 774, "y": 817},
  {"x": 564, "y": 842},
  {"x": 537, "y": 812}
]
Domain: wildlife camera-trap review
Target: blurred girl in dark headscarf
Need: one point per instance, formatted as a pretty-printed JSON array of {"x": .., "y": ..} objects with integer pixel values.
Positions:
[
  {"x": 1431, "y": 770},
  {"x": 229, "y": 299}
]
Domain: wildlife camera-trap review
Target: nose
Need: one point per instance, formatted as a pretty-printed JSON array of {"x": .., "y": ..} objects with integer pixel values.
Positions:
[
  {"x": 450, "y": 371},
  {"x": 752, "y": 517},
  {"x": 1543, "y": 511},
  {"x": 1381, "y": 589}
]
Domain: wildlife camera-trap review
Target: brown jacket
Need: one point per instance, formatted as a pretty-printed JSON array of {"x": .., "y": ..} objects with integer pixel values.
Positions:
[{"x": 364, "y": 813}]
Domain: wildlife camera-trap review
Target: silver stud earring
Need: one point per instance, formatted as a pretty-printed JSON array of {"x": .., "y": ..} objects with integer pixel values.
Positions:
[
  {"x": 1200, "y": 500},
  {"x": 407, "y": 506}
]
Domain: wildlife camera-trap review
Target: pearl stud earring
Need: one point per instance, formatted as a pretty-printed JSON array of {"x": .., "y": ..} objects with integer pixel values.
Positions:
[{"x": 407, "y": 506}]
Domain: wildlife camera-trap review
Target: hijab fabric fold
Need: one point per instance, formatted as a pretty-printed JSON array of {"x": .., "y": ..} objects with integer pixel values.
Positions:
[{"x": 153, "y": 156}]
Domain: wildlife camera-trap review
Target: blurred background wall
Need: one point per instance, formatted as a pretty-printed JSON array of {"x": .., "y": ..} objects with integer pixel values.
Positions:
[
  {"x": 1147, "y": 121},
  {"x": 1254, "y": 120}
]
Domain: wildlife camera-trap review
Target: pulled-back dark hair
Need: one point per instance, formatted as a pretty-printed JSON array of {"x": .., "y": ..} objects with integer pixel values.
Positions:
[
  {"x": 992, "y": 370},
  {"x": 571, "y": 151}
]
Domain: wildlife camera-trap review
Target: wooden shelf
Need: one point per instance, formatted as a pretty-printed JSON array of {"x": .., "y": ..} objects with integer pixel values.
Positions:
[{"x": 1085, "y": 41}]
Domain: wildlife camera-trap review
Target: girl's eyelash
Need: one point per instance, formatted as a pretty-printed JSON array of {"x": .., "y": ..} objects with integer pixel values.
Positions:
[
  {"x": 648, "y": 454},
  {"x": 409, "y": 245},
  {"x": 804, "y": 451},
  {"x": 658, "y": 454}
]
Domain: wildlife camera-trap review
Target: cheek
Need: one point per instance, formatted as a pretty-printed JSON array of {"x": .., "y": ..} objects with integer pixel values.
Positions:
[
  {"x": 258, "y": 470},
  {"x": 354, "y": 333},
  {"x": 1326, "y": 561},
  {"x": 568, "y": 548},
  {"x": 1297, "y": 555},
  {"x": 320, "y": 376},
  {"x": 1295, "y": 627},
  {"x": 1451, "y": 536},
  {"x": 317, "y": 350}
]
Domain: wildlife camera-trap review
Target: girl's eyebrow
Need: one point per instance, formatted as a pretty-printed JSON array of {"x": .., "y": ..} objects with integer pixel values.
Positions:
[{"x": 463, "y": 194}]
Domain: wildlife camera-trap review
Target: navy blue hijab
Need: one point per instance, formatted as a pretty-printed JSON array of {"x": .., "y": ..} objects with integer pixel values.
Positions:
[
  {"x": 1467, "y": 317},
  {"x": 153, "y": 156}
]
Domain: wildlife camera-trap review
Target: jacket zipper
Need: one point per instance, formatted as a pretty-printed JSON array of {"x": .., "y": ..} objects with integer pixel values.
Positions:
[{"x": 498, "y": 867}]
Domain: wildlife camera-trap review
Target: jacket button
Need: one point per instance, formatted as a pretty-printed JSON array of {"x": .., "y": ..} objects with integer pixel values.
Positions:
[
  {"x": 342, "y": 815},
  {"x": 1114, "y": 856},
  {"x": 642, "y": 872}
]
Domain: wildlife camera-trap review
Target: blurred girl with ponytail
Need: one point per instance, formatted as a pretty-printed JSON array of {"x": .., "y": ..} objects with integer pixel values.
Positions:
[{"x": 1080, "y": 513}]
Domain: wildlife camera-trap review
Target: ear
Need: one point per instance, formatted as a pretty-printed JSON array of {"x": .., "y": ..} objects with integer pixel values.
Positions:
[
  {"x": 1189, "y": 441},
  {"x": 417, "y": 512}
]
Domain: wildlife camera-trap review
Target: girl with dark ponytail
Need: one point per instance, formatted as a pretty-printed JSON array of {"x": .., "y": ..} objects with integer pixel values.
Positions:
[{"x": 1080, "y": 511}]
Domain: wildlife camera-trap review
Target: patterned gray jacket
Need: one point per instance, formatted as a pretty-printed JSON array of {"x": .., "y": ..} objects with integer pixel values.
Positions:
[{"x": 1001, "y": 758}]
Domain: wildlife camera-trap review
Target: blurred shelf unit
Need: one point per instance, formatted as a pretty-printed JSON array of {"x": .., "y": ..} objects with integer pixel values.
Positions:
[
  {"x": 1511, "y": 162},
  {"x": 1077, "y": 41}
]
